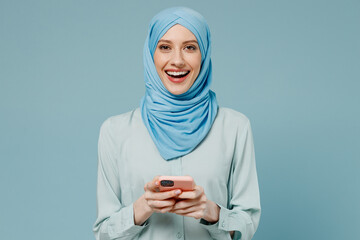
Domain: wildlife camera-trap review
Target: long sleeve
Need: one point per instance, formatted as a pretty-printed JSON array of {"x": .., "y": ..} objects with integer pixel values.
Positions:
[
  {"x": 242, "y": 213},
  {"x": 128, "y": 158},
  {"x": 114, "y": 220}
]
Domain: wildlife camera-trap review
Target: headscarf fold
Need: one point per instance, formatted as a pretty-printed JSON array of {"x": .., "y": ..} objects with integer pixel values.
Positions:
[{"x": 178, "y": 123}]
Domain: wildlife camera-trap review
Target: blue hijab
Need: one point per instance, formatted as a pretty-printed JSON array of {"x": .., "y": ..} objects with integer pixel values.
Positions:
[{"x": 178, "y": 123}]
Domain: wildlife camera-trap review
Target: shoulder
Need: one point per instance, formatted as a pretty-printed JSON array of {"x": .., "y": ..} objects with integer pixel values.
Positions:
[
  {"x": 121, "y": 122},
  {"x": 231, "y": 117}
]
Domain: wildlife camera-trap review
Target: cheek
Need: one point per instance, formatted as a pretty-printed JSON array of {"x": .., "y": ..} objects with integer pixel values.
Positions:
[
  {"x": 196, "y": 60},
  {"x": 196, "y": 64},
  {"x": 158, "y": 61}
]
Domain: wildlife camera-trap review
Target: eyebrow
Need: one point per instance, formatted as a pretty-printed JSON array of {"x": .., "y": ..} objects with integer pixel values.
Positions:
[{"x": 168, "y": 41}]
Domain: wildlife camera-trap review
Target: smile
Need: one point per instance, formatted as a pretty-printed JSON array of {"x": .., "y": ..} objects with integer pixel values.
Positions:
[{"x": 177, "y": 74}]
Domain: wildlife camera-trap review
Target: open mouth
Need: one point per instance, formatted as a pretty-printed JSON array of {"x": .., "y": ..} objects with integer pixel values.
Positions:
[{"x": 177, "y": 74}]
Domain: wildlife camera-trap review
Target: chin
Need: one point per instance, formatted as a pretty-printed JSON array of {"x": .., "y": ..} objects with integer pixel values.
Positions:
[
  {"x": 174, "y": 88},
  {"x": 176, "y": 92}
]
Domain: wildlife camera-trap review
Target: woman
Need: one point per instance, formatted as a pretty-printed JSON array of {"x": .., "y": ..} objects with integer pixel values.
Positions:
[{"x": 178, "y": 130}]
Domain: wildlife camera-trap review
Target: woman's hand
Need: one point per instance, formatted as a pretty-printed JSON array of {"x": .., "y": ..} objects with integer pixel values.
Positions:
[
  {"x": 195, "y": 204},
  {"x": 159, "y": 201},
  {"x": 153, "y": 201}
]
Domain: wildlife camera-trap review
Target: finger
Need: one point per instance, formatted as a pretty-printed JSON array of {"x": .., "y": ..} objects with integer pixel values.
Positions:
[
  {"x": 195, "y": 214},
  {"x": 187, "y": 195},
  {"x": 182, "y": 204},
  {"x": 156, "y": 204},
  {"x": 153, "y": 185},
  {"x": 188, "y": 210},
  {"x": 162, "y": 195},
  {"x": 198, "y": 190},
  {"x": 163, "y": 210}
]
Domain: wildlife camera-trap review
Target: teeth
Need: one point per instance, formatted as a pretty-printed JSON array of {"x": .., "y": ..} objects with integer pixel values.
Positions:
[{"x": 177, "y": 73}]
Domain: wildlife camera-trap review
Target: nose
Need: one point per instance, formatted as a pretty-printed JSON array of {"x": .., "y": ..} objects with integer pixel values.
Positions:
[{"x": 178, "y": 59}]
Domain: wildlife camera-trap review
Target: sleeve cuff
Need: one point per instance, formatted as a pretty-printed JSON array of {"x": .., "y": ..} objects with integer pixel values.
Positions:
[
  {"x": 122, "y": 224},
  {"x": 229, "y": 220},
  {"x": 214, "y": 229}
]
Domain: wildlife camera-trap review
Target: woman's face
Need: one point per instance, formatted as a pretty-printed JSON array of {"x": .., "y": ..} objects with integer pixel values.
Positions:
[{"x": 177, "y": 59}]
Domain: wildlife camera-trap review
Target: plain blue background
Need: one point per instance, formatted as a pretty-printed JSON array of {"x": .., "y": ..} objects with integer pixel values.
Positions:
[{"x": 291, "y": 66}]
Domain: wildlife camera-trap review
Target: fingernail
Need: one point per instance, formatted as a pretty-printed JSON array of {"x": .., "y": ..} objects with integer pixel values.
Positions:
[{"x": 177, "y": 192}]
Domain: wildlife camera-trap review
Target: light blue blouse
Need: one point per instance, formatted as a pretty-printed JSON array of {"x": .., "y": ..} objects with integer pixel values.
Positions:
[{"x": 223, "y": 164}]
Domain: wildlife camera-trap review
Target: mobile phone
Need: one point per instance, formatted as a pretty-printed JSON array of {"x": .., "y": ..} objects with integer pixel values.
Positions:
[{"x": 185, "y": 183}]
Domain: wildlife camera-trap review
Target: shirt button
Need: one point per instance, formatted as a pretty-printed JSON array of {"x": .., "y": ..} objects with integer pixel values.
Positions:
[
  {"x": 179, "y": 235},
  {"x": 223, "y": 224}
]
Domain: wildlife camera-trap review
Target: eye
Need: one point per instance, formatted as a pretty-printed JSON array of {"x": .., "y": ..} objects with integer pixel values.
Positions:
[
  {"x": 191, "y": 47},
  {"x": 164, "y": 47}
]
